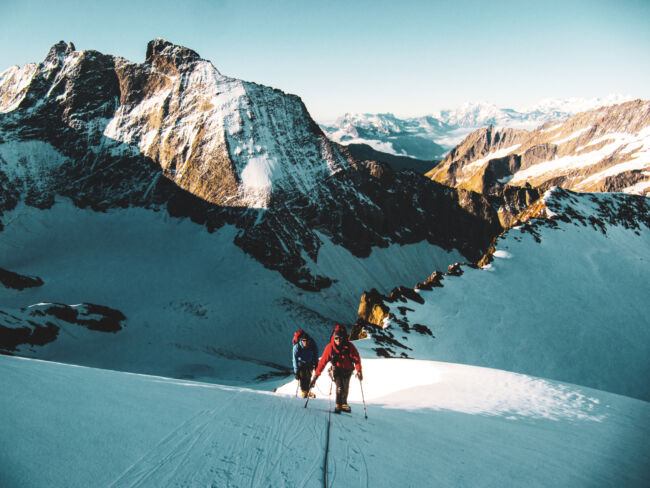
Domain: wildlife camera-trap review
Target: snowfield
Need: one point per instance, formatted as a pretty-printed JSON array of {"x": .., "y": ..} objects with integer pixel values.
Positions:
[
  {"x": 190, "y": 292},
  {"x": 429, "y": 424}
]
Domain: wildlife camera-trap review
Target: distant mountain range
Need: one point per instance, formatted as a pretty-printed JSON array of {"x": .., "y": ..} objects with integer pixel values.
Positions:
[
  {"x": 602, "y": 150},
  {"x": 432, "y": 136}
]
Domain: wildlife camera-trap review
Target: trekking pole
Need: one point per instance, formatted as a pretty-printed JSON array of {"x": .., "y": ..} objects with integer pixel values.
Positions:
[
  {"x": 308, "y": 395},
  {"x": 297, "y": 386},
  {"x": 365, "y": 412},
  {"x": 307, "y": 398}
]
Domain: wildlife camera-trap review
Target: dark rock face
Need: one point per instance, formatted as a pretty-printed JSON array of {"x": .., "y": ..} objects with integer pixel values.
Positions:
[
  {"x": 431, "y": 282},
  {"x": 32, "y": 334},
  {"x": 477, "y": 145},
  {"x": 604, "y": 211},
  {"x": 85, "y": 315},
  {"x": 18, "y": 282},
  {"x": 364, "y": 152},
  {"x": 167, "y": 57},
  {"x": 454, "y": 270},
  {"x": 40, "y": 324}
]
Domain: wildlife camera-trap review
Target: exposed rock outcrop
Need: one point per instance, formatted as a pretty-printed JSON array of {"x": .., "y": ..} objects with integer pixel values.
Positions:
[
  {"x": 380, "y": 317},
  {"x": 602, "y": 150},
  {"x": 40, "y": 324},
  {"x": 17, "y": 281}
]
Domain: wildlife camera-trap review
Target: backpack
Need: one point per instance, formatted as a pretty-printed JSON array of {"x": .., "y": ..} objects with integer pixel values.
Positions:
[
  {"x": 296, "y": 336},
  {"x": 344, "y": 351}
]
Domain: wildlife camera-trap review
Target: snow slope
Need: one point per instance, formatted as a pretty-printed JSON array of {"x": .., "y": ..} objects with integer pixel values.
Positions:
[
  {"x": 189, "y": 291},
  {"x": 79, "y": 427},
  {"x": 565, "y": 298}
]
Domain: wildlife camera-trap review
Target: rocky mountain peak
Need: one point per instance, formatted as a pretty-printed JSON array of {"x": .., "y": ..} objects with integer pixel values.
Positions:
[
  {"x": 173, "y": 131},
  {"x": 484, "y": 141},
  {"x": 60, "y": 50},
  {"x": 169, "y": 57}
]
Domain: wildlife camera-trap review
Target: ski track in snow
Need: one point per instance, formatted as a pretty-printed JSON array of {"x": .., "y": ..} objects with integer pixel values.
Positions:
[
  {"x": 206, "y": 435},
  {"x": 197, "y": 447},
  {"x": 346, "y": 441}
]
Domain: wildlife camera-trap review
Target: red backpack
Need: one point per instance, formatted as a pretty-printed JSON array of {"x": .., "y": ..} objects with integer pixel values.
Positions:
[
  {"x": 340, "y": 329},
  {"x": 296, "y": 336}
]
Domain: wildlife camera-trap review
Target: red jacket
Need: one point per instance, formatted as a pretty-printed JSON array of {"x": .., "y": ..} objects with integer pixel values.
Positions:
[{"x": 342, "y": 357}]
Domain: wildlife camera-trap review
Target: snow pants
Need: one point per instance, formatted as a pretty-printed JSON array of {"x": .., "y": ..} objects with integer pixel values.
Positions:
[
  {"x": 304, "y": 373},
  {"x": 342, "y": 380}
]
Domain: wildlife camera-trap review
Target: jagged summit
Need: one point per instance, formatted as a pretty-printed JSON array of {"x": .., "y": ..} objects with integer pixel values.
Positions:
[
  {"x": 179, "y": 111},
  {"x": 60, "y": 49},
  {"x": 162, "y": 54}
]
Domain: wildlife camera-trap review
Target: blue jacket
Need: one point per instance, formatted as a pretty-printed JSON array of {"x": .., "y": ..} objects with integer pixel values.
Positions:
[{"x": 304, "y": 355}]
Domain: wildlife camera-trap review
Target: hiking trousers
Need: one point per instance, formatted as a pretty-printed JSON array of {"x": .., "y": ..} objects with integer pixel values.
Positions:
[
  {"x": 342, "y": 380},
  {"x": 304, "y": 373}
]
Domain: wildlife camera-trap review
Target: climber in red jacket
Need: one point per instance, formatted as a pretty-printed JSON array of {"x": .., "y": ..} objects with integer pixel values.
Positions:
[{"x": 344, "y": 358}]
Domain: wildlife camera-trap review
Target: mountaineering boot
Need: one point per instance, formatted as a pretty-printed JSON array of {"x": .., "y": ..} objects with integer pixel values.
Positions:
[
  {"x": 304, "y": 394},
  {"x": 346, "y": 408},
  {"x": 311, "y": 395},
  {"x": 337, "y": 408}
]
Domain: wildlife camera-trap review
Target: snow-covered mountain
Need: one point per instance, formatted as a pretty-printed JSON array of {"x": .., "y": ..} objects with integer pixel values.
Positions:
[
  {"x": 163, "y": 219},
  {"x": 562, "y": 295},
  {"x": 181, "y": 198},
  {"x": 433, "y": 136},
  {"x": 607, "y": 149},
  {"x": 173, "y": 131}
]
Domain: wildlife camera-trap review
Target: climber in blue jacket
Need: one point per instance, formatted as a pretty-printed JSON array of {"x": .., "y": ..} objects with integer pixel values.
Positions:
[{"x": 305, "y": 359}]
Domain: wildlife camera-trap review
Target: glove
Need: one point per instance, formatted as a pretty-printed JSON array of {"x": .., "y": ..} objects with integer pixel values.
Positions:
[
  {"x": 360, "y": 375},
  {"x": 297, "y": 376},
  {"x": 313, "y": 382}
]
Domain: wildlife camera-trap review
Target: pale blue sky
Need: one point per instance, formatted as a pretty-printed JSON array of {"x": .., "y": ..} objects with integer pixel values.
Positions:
[{"x": 406, "y": 57}]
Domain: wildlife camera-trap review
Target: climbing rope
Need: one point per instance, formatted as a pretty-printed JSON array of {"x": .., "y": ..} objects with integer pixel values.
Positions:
[
  {"x": 329, "y": 421},
  {"x": 327, "y": 440}
]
